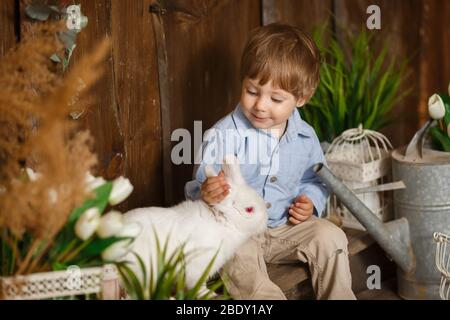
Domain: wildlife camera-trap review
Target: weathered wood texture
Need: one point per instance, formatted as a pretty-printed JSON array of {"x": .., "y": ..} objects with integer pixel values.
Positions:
[
  {"x": 8, "y": 34},
  {"x": 170, "y": 67},
  {"x": 124, "y": 117},
  {"x": 416, "y": 30},
  {"x": 203, "y": 43},
  {"x": 400, "y": 25},
  {"x": 306, "y": 14},
  {"x": 434, "y": 75}
]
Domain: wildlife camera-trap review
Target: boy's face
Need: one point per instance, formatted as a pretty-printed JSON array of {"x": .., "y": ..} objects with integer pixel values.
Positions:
[{"x": 267, "y": 107}]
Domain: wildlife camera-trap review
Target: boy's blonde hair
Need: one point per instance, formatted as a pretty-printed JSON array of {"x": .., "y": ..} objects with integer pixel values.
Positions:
[{"x": 284, "y": 54}]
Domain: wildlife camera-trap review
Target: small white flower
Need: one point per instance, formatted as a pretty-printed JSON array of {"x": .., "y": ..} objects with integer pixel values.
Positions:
[
  {"x": 116, "y": 251},
  {"x": 93, "y": 182},
  {"x": 33, "y": 176},
  {"x": 436, "y": 108},
  {"x": 110, "y": 224},
  {"x": 53, "y": 196},
  {"x": 87, "y": 223},
  {"x": 121, "y": 189}
]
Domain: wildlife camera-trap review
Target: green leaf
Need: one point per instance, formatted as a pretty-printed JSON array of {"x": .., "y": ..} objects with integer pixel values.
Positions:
[
  {"x": 100, "y": 201},
  {"x": 55, "y": 58},
  {"x": 356, "y": 89},
  {"x": 57, "y": 266},
  {"x": 38, "y": 12},
  {"x": 67, "y": 234},
  {"x": 98, "y": 245},
  {"x": 68, "y": 38},
  {"x": 440, "y": 138}
]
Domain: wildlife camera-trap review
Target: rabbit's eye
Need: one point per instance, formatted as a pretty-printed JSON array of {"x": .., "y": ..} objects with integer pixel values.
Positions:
[{"x": 249, "y": 209}]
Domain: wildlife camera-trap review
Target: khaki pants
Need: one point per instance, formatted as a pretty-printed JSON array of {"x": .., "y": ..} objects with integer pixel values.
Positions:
[{"x": 317, "y": 242}]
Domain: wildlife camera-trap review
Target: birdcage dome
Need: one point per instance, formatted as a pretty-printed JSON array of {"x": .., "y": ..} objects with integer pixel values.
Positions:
[{"x": 359, "y": 155}]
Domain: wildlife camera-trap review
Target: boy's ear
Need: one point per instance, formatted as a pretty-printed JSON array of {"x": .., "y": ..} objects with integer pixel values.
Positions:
[
  {"x": 209, "y": 171},
  {"x": 301, "y": 102}
]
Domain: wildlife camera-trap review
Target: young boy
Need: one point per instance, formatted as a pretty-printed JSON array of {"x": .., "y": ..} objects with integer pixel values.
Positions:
[{"x": 279, "y": 72}]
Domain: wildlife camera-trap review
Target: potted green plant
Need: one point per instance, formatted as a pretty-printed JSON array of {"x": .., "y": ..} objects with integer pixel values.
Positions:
[
  {"x": 353, "y": 90},
  {"x": 165, "y": 279},
  {"x": 353, "y": 100}
]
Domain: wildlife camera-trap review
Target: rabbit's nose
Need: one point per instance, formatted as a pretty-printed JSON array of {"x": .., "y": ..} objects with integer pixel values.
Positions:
[{"x": 249, "y": 210}]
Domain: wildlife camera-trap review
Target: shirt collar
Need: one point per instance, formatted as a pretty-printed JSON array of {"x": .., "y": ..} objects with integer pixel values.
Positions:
[{"x": 296, "y": 126}]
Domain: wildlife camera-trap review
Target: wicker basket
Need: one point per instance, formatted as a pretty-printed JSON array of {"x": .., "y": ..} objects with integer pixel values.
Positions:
[{"x": 70, "y": 282}]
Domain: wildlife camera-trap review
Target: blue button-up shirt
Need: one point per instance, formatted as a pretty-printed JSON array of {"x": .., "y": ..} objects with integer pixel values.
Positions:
[{"x": 278, "y": 169}]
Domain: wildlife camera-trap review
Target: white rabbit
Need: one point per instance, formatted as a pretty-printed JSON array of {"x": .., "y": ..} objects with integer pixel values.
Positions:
[{"x": 205, "y": 230}]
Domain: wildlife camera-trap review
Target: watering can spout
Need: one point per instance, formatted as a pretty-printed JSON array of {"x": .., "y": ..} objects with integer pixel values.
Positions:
[{"x": 393, "y": 236}]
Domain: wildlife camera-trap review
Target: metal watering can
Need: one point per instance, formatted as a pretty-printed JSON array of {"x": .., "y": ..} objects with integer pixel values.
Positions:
[{"x": 420, "y": 210}]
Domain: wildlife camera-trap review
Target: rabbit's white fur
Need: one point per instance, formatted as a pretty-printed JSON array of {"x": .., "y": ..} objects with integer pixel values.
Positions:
[{"x": 205, "y": 230}]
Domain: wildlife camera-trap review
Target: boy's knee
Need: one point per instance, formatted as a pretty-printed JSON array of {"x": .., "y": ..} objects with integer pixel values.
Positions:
[{"x": 329, "y": 236}]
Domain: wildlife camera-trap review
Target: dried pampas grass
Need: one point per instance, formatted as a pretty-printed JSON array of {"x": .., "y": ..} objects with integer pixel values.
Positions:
[{"x": 35, "y": 130}]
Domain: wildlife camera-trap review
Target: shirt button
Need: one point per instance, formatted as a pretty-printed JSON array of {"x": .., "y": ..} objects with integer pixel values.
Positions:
[
  {"x": 268, "y": 205},
  {"x": 273, "y": 179}
]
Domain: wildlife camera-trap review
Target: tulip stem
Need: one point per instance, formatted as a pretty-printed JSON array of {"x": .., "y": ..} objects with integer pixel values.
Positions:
[
  {"x": 67, "y": 249},
  {"x": 441, "y": 125},
  {"x": 78, "y": 250}
]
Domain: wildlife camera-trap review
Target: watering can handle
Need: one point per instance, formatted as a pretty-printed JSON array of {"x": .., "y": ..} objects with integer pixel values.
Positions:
[{"x": 414, "y": 150}]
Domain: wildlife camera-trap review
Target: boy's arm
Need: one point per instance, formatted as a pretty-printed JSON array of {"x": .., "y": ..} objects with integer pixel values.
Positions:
[{"x": 310, "y": 184}]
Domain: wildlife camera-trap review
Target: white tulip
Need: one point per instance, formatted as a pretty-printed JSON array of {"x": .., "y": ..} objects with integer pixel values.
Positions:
[
  {"x": 116, "y": 251},
  {"x": 120, "y": 248},
  {"x": 93, "y": 182},
  {"x": 131, "y": 229},
  {"x": 121, "y": 189},
  {"x": 436, "y": 108},
  {"x": 87, "y": 223},
  {"x": 110, "y": 224}
]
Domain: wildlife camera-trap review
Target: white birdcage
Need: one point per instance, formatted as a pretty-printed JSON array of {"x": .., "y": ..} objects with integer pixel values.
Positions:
[
  {"x": 443, "y": 263},
  {"x": 361, "y": 158}
]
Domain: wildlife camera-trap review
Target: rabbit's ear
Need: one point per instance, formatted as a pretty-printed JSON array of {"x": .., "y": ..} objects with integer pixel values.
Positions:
[
  {"x": 232, "y": 170},
  {"x": 209, "y": 171}
]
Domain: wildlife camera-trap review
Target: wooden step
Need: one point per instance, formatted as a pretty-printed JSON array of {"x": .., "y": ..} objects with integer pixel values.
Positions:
[
  {"x": 289, "y": 276},
  {"x": 388, "y": 291}
]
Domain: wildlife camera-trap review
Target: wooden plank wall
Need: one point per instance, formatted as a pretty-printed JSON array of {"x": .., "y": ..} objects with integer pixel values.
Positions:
[
  {"x": 125, "y": 118},
  {"x": 401, "y": 23},
  {"x": 203, "y": 41},
  {"x": 179, "y": 62},
  {"x": 8, "y": 33}
]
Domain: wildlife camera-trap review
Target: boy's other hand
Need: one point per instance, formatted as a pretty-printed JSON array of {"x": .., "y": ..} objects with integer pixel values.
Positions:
[
  {"x": 215, "y": 189},
  {"x": 301, "y": 210}
]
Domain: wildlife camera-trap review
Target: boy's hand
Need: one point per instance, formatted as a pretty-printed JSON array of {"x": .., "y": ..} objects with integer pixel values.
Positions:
[
  {"x": 301, "y": 210},
  {"x": 215, "y": 189}
]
